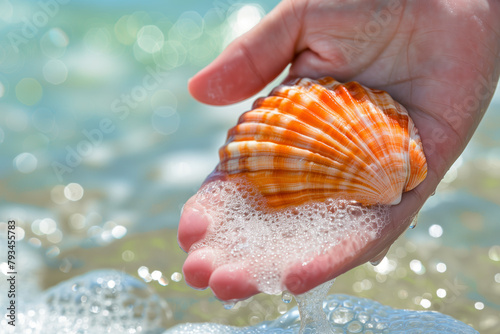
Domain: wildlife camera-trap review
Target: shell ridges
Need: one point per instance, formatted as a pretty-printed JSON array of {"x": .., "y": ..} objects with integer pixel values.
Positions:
[{"x": 318, "y": 139}]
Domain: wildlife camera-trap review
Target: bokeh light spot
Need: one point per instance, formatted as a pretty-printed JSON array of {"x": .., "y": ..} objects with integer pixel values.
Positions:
[
  {"x": 494, "y": 253},
  {"x": 55, "y": 72},
  {"x": 190, "y": 25},
  {"x": 176, "y": 277},
  {"x": 54, "y": 42},
  {"x": 25, "y": 163},
  {"x": 171, "y": 55},
  {"x": 243, "y": 19},
  {"x": 497, "y": 277},
  {"x": 55, "y": 237},
  {"x": 47, "y": 226},
  {"x": 77, "y": 221},
  {"x": 150, "y": 38},
  {"x": 165, "y": 120},
  {"x": 441, "y": 267},
  {"x": 156, "y": 275},
  {"x": 73, "y": 191},
  {"x": 29, "y": 91},
  {"x": 435, "y": 231},
  {"x": 417, "y": 267},
  {"x": 119, "y": 231},
  {"x": 128, "y": 256},
  {"x": 57, "y": 195},
  {"x": 479, "y": 306},
  {"x": 425, "y": 303},
  {"x": 441, "y": 293},
  {"x": 124, "y": 35}
]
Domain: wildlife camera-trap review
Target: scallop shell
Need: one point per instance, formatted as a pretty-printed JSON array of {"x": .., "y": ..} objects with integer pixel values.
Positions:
[{"x": 319, "y": 139}]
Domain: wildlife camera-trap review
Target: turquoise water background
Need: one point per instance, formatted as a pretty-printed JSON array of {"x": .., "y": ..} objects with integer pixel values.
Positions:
[{"x": 101, "y": 145}]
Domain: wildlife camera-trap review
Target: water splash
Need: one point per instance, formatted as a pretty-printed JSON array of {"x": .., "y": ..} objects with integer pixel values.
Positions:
[{"x": 312, "y": 317}]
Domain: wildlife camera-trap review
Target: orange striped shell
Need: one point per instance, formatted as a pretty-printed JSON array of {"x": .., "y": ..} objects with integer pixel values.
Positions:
[{"x": 318, "y": 139}]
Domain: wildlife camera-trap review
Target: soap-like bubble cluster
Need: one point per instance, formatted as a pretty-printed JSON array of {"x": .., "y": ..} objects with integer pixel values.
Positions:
[
  {"x": 269, "y": 240},
  {"x": 346, "y": 314},
  {"x": 102, "y": 301}
]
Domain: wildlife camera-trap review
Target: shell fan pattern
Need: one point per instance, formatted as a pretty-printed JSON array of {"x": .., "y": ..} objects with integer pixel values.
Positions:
[{"x": 318, "y": 139}]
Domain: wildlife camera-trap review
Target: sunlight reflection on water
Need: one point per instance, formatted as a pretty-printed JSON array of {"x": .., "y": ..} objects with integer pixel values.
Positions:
[{"x": 113, "y": 200}]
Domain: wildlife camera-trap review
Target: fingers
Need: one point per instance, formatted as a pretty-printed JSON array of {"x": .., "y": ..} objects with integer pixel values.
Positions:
[
  {"x": 250, "y": 62},
  {"x": 192, "y": 225},
  {"x": 198, "y": 268},
  {"x": 228, "y": 283},
  {"x": 354, "y": 250}
]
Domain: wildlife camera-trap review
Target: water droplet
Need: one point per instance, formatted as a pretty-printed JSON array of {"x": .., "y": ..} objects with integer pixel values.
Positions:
[
  {"x": 229, "y": 305},
  {"x": 286, "y": 297},
  {"x": 342, "y": 315},
  {"x": 355, "y": 327},
  {"x": 413, "y": 223}
]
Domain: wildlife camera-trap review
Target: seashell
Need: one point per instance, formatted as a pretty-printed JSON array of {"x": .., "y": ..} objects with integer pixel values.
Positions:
[{"x": 319, "y": 139}]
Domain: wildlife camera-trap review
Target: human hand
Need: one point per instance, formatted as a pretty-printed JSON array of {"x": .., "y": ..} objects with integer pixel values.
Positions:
[{"x": 439, "y": 59}]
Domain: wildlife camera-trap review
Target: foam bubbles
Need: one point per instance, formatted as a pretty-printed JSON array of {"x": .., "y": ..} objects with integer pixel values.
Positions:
[
  {"x": 269, "y": 242},
  {"x": 102, "y": 301},
  {"x": 359, "y": 315}
]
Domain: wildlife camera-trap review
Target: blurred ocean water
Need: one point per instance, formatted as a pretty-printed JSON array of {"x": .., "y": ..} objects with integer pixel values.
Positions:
[{"x": 101, "y": 145}]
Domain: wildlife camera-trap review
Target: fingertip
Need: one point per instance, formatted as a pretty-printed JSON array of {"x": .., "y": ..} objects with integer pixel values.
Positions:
[
  {"x": 193, "y": 226},
  {"x": 198, "y": 268},
  {"x": 230, "y": 78},
  {"x": 232, "y": 284}
]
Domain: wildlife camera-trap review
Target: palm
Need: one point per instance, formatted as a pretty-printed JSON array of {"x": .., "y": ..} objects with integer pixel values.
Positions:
[{"x": 431, "y": 56}]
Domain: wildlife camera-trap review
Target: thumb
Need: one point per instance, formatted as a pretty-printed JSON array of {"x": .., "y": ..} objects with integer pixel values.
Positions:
[{"x": 251, "y": 61}]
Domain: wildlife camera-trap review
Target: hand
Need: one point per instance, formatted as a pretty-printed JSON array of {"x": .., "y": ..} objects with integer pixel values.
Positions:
[{"x": 440, "y": 59}]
